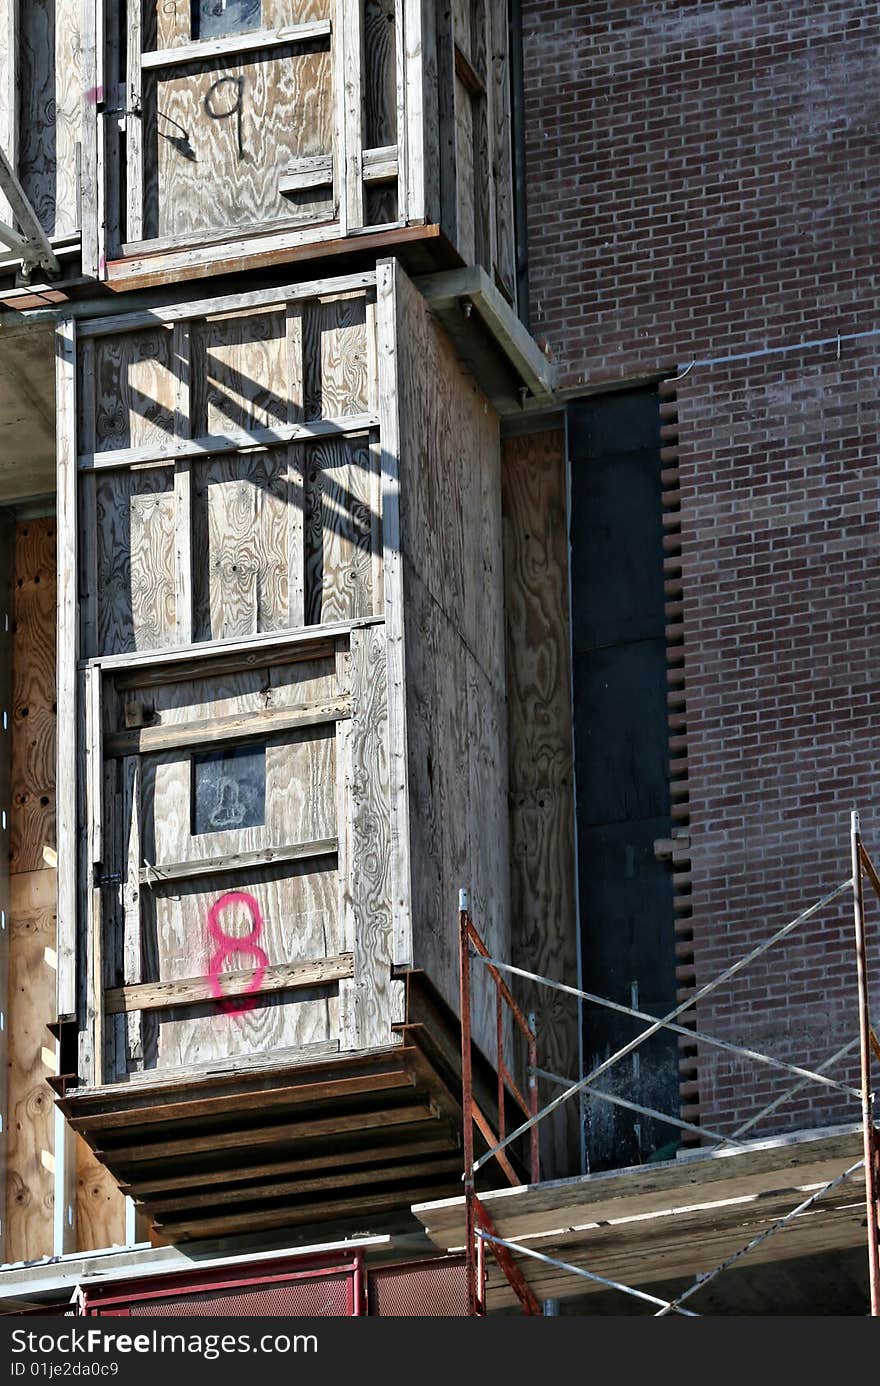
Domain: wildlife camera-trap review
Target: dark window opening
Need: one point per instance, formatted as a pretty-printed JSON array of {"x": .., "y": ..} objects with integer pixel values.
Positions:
[
  {"x": 229, "y": 789},
  {"x": 218, "y": 18}
]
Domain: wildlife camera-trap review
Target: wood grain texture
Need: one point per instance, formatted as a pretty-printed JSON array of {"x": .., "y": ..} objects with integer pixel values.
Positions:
[
  {"x": 100, "y": 1207},
  {"x": 135, "y": 391},
  {"x": 339, "y": 529},
  {"x": 29, "y": 1201},
  {"x": 298, "y": 908},
  {"x": 336, "y": 357},
  {"x": 50, "y": 123},
  {"x": 169, "y": 25},
  {"x": 136, "y": 562},
  {"x": 380, "y": 74},
  {"x": 450, "y": 488},
  {"x": 241, "y": 512},
  {"x": 299, "y": 802},
  {"x": 498, "y": 84},
  {"x": 32, "y": 819},
  {"x": 239, "y": 373},
  {"x": 465, "y": 174},
  {"x": 543, "y": 921},
  {"x": 376, "y": 1001},
  {"x": 286, "y": 113}
]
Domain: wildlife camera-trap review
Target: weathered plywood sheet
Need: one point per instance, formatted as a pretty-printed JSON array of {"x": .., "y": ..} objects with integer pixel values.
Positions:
[
  {"x": 375, "y": 1000},
  {"x": 236, "y": 126},
  {"x": 380, "y": 74},
  {"x": 132, "y": 384},
  {"x": 33, "y": 698},
  {"x": 543, "y": 920},
  {"x": 100, "y": 1207},
  {"x": 299, "y": 802},
  {"x": 169, "y": 26},
  {"x": 336, "y": 357},
  {"x": 340, "y": 479},
  {"x": 239, "y": 373},
  {"x": 27, "y": 414},
  {"x": 296, "y": 921},
  {"x": 30, "y": 1171},
  {"x": 242, "y": 512},
  {"x": 450, "y": 487},
  {"x": 136, "y": 560},
  {"x": 7, "y": 556},
  {"x": 51, "y": 112}
]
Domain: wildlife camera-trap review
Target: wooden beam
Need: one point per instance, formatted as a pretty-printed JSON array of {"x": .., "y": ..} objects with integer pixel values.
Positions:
[
  {"x": 443, "y": 1163},
  {"x": 239, "y": 726},
  {"x": 162, "y": 454},
  {"x": 192, "y": 991},
  {"x": 452, "y": 287},
  {"x": 67, "y": 657},
  {"x": 366, "y": 1205},
  {"x": 312, "y": 171},
  {"x": 209, "y": 49},
  {"x": 335, "y": 1159},
  {"x": 282, "y": 1134},
  {"x": 239, "y": 861},
  {"x": 226, "y": 303},
  {"x": 247, "y": 650},
  {"x": 258, "y": 1097},
  {"x": 380, "y": 165}
]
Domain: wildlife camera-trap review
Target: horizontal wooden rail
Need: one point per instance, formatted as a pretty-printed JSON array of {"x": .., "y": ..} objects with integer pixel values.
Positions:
[
  {"x": 209, "y": 49},
  {"x": 212, "y": 445},
  {"x": 239, "y": 726},
  {"x": 237, "y": 861},
  {"x": 192, "y": 991}
]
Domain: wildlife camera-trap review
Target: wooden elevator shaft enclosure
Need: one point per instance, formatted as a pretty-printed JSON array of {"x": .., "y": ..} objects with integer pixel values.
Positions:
[{"x": 282, "y": 644}]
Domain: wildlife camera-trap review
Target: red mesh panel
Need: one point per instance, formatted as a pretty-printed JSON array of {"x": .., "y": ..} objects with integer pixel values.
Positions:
[
  {"x": 434, "y": 1290},
  {"x": 320, "y": 1296}
]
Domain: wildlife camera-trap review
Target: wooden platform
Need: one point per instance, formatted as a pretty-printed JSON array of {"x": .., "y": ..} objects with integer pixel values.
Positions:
[
  {"x": 293, "y": 1139},
  {"x": 277, "y": 1145},
  {"x": 674, "y": 1220}
]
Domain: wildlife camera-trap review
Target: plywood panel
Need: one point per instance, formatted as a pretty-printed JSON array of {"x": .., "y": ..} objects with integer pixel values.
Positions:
[
  {"x": 33, "y": 697},
  {"x": 239, "y": 125},
  {"x": 239, "y": 373},
  {"x": 173, "y": 21},
  {"x": 252, "y": 690},
  {"x": 30, "y": 1183},
  {"x": 340, "y": 529},
  {"x": 541, "y": 775},
  {"x": 380, "y": 74},
  {"x": 466, "y": 238},
  {"x": 134, "y": 389},
  {"x": 100, "y": 1207},
  {"x": 296, "y": 922},
  {"x": 336, "y": 356},
  {"x": 299, "y": 802},
  {"x": 454, "y": 650},
  {"x": 50, "y": 122},
  {"x": 241, "y": 554},
  {"x": 136, "y": 560},
  {"x": 375, "y": 998}
]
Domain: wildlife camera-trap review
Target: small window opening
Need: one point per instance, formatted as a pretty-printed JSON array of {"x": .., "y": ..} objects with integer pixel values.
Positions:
[
  {"x": 217, "y": 18},
  {"x": 229, "y": 789}
]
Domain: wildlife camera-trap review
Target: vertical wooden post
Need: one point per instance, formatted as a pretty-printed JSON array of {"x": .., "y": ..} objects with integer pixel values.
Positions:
[
  {"x": 7, "y": 565},
  {"x": 67, "y": 656},
  {"x": 865, "y": 1062}
]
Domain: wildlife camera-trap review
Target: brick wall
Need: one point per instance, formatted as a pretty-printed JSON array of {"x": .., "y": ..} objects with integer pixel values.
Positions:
[{"x": 703, "y": 180}]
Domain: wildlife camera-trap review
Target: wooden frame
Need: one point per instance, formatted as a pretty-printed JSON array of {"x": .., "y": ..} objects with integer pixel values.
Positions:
[{"x": 434, "y": 70}]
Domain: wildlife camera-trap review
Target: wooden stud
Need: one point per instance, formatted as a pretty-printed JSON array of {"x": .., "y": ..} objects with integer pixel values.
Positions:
[
  {"x": 261, "y": 41},
  {"x": 183, "y": 487},
  {"x": 238, "y": 726},
  {"x": 67, "y": 656},
  {"x": 386, "y": 326},
  {"x": 134, "y": 127},
  {"x": 132, "y": 952},
  {"x": 352, "y": 96}
]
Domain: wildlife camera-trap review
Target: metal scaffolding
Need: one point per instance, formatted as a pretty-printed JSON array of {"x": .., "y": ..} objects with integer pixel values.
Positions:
[{"x": 479, "y": 1230}]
